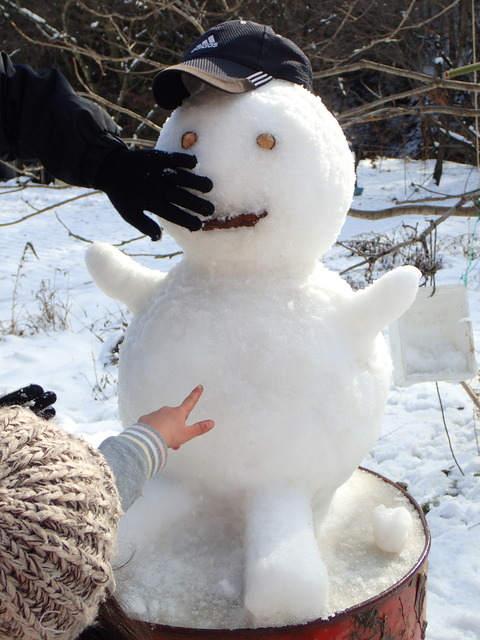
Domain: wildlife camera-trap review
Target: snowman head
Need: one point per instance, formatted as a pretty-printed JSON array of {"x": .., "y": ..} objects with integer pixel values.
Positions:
[{"x": 282, "y": 174}]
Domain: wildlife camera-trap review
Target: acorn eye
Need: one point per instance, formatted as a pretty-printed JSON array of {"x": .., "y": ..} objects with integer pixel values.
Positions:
[
  {"x": 266, "y": 141},
  {"x": 189, "y": 139}
]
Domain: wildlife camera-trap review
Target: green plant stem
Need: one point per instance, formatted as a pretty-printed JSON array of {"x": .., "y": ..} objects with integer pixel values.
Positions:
[{"x": 446, "y": 429}]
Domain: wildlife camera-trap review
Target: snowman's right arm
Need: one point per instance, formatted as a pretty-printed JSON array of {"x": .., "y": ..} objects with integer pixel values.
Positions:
[{"x": 119, "y": 276}]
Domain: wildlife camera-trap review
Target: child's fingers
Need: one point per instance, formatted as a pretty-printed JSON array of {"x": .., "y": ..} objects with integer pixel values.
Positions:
[
  {"x": 194, "y": 430},
  {"x": 198, "y": 429},
  {"x": 202, "y": 427},
  {"x": 191, "y": 400}
]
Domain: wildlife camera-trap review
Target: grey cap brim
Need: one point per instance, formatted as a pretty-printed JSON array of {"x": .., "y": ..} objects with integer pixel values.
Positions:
[{"x": 169, "y": 90}]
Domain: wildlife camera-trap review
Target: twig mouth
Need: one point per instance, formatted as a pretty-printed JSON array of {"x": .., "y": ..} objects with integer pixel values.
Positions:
[{"x": 242, "y": 220}]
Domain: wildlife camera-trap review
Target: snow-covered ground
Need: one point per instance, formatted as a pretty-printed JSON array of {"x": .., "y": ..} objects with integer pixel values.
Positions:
[{"x": 57, "y": 329}]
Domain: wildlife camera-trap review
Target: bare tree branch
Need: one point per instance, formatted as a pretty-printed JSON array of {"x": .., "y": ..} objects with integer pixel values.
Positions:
[
  {"x": 418, "y": 238},
  {"x": 402, "y": 26},
  {"x": 414, "y": 210},
  {"x": 49, "y": 208},
  {"x": 432, "y": 81},
  {"x": 395, "y": 112}
]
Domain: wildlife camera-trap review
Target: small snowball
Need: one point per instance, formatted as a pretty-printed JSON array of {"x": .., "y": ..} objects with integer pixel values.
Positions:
[{"x": 391, "y": 527}]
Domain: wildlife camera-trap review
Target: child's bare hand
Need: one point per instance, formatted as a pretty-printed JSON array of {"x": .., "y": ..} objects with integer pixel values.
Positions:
[{"x": 170, "y": 421}]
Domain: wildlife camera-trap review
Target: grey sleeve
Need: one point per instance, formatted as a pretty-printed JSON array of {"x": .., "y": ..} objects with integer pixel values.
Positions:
[{"x": 134, "y": 456}]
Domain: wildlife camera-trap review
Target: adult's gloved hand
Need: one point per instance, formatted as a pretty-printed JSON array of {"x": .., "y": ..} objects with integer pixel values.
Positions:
[
  {"x": 155, "y": 181},
  {"x": 32, "y": 397}
]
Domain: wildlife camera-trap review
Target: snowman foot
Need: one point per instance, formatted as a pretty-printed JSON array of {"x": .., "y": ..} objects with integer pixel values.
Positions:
[{"x": 286, "y": 580}]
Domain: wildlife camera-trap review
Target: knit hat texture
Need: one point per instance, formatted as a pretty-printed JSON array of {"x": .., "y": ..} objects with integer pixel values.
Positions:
[{"x": 59, "y": 510}]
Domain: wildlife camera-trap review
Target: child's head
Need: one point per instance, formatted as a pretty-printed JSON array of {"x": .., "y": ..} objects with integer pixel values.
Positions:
[{"x": 59, "y": 511}]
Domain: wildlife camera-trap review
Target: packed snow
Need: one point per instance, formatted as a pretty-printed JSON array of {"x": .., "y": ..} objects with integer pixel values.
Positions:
[
  {"x": 423, "y": 350},
  {"x": 59, "y": 330}
]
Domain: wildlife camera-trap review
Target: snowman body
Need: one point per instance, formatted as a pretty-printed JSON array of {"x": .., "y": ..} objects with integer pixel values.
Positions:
[
  {"x": 264, "y": 355},
  {"x": 295, "y": 370}
]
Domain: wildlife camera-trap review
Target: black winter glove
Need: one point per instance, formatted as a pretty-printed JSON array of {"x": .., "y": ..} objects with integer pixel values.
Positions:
[
  {"x": 155, "y": 181},
  {"x": 32, "y": 397}
]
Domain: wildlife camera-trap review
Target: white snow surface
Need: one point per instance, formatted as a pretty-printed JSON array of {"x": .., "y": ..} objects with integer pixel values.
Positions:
[{"x": 73, "y": 360}]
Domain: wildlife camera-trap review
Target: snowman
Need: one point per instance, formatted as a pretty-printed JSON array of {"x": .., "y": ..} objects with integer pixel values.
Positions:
[{"x": 295, "y": 369}]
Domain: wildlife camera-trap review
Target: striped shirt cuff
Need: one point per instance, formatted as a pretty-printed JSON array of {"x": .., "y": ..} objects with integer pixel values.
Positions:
[{"x": 151, "y": 443}]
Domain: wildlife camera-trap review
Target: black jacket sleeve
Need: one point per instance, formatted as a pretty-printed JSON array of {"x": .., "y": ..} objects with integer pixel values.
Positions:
[{"x": 41, "y": 117}]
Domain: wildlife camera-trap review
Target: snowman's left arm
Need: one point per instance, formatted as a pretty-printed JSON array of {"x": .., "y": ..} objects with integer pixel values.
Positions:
[{"x": 385, "y": 300}]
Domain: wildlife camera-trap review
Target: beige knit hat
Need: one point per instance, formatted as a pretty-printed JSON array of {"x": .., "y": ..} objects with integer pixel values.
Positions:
[{"x": 59, "y": 511}]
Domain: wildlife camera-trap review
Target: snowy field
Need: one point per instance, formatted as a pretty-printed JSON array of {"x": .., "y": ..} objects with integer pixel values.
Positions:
[{"x": 57, "y": 329}]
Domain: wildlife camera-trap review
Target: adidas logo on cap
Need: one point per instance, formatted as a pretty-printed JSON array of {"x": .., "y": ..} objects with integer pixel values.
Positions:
[
  {"x": 208, "y": 43},
  {"x": 259, "y": 78}
]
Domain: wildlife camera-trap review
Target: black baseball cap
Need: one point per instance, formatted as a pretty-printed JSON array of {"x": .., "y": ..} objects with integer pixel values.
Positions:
[{"x": 236, "y": 56}]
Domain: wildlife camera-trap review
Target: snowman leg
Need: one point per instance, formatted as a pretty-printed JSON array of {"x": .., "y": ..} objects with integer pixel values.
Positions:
[{"x": 285, "y": 578}]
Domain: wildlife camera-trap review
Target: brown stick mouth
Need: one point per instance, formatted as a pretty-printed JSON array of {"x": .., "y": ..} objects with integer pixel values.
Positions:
[{"x": 242, "y": 220}]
